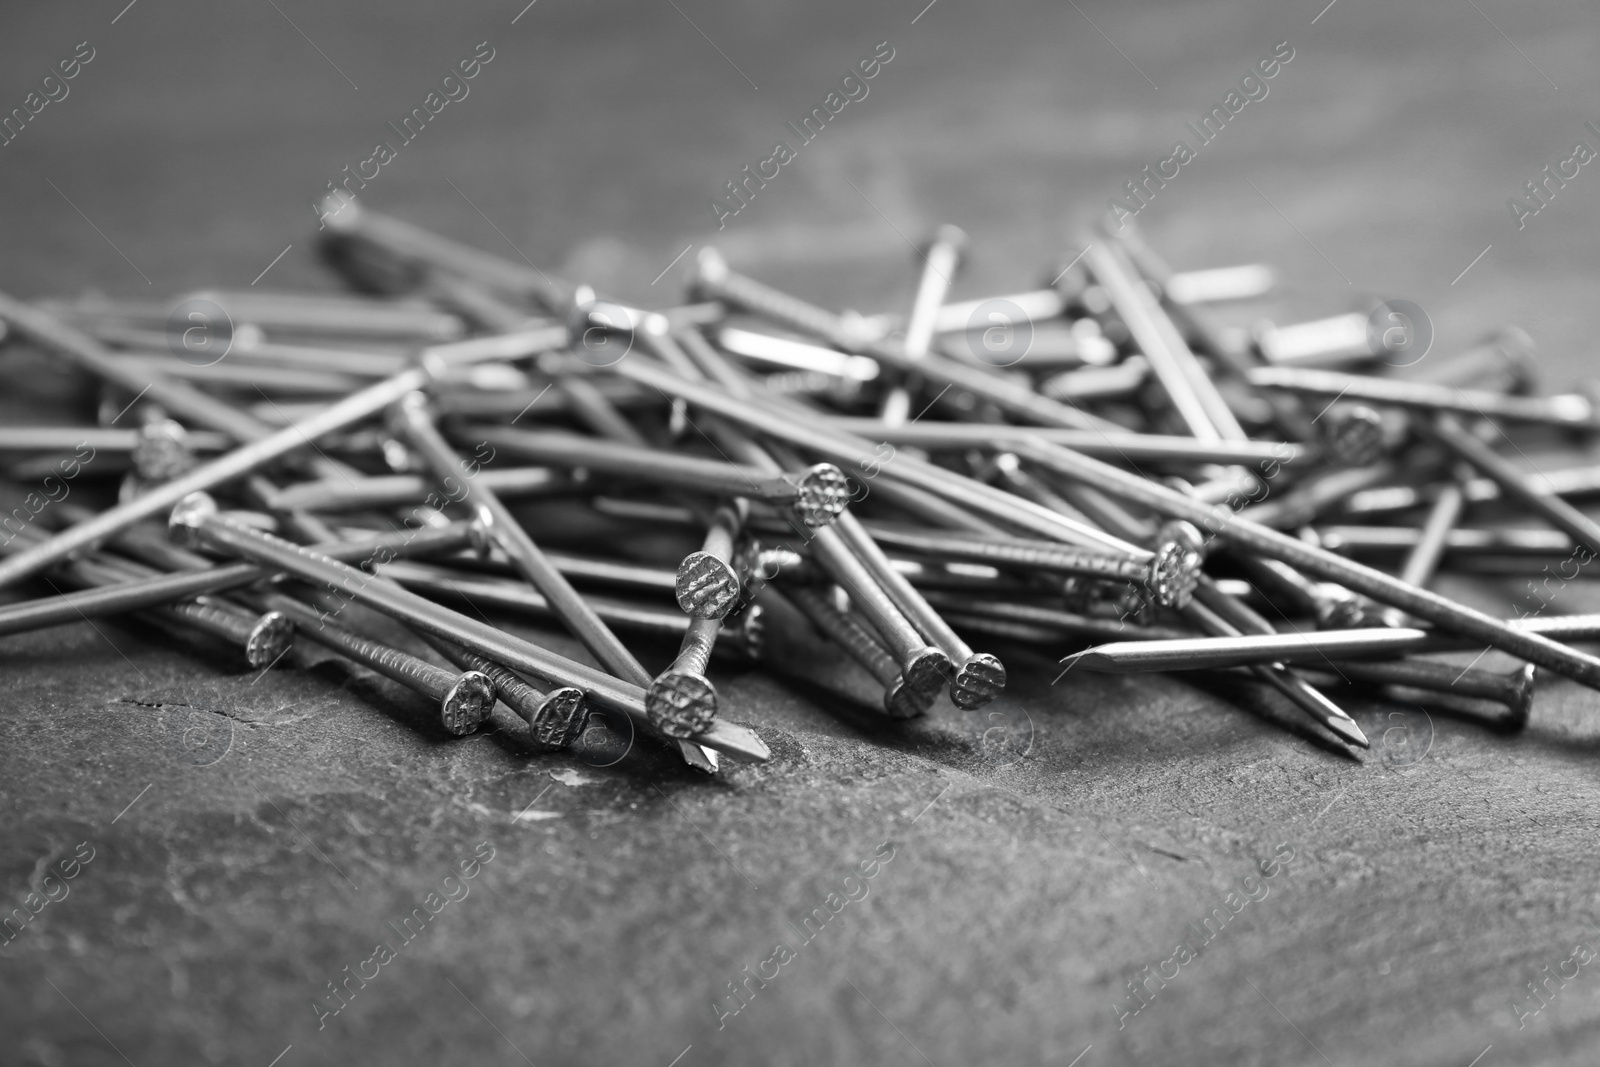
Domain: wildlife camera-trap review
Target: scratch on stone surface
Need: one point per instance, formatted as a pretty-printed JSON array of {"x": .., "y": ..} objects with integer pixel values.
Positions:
[
  {"x": 1158, "y": 850},
  {"x": 252, "y": 723},
  {"x": 535, "y": 816}
]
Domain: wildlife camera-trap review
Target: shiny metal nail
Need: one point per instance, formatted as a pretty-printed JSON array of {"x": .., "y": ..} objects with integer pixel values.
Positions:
[
  {"x": 1315, "y": 562},
  {"x": 817, "y": 495},
  {"x": 714, "y": 279},
  {"x": 1528, "y": 490},
  {"x": 900, "y": 701},
  {"x": 977, "y": 677},
  {"x": 198, "y": 520},
  {"x": 939, "y": 264},
  {"x": 555, "y": 718},
  {"x": 1569, "y": 410}
]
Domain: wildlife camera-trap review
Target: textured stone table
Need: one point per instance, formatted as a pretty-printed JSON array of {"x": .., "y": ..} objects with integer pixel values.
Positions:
[{"x": 965, "y": 889}]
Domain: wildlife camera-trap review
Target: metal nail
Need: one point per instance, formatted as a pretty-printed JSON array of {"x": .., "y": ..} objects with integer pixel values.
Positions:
[
  {"x": 900, "y": 701},
  {"x": 555, "y": 718},
  {"x": 706, "y": 583},
  {"x": 1193, "y": 394},
  {"x": 197, "y": 520},
  {"x": 1568, "y": 410},
  {"x": 1316, "y": 562},
  {"x": 817, "y": 495},
  {"x": 248, "y": 457},
  {"x": 1513, "y": 688},
  {"x": 978, "y": 677},
  {"x": 1516, "y": 484},
  {"x": 715, "y": 280},
  {"x": 940, "y": 262},
  {"x": 925, "y": 667},
  {"x": 464, "y": 699}
]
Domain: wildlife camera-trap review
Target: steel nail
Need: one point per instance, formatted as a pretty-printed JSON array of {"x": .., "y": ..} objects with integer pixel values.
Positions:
[
  {"x": 1516, "y": 484},
  {"x": 715, "y": 280},
  {"x": 198, "y": 520},
  {"x": 1568, "y": 410},
  {"x": 1316, "y": 562},
  {"x": 940, "y": 262},
  {"x": 979, "y": 677},
  {"x": 900, "y": 701},
  {"x": 555, "y": 718},
  {"x": 817, "y": 495}
]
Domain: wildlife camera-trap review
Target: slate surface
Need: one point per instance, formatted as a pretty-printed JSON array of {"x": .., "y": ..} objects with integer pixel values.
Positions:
[{"x": 252, "y": 837}]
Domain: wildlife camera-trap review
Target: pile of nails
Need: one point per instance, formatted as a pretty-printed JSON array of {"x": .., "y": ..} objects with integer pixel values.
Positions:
[{"x": 469, "y": 446}]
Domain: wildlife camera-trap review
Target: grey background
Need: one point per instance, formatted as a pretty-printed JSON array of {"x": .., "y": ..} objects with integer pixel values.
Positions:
[{"x": 1431, "y": 880}]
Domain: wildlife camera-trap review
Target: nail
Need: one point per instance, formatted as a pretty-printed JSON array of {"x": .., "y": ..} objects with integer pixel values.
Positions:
[
  {"x": 1127, "y": 653},
  {"x": 715, "y": 280},
  {"x": 1339, "y": 339},
  {"x": 1352, "y": 435},
  {"x": 1504, "y": 361},
  {"x": 1423, "y": 560},
  {"x": 1193, "y": 394},
  {"x": 1168, "y": 575},
  {"x": 1332, "y": 610},
  {"x": 940, "y": 262},
  {"x": 411, "y": 420},
  {"x": 1457, "y": 542},
  {"x": 389, "y": 490},
  {"x": 176, "y": 397},
  {"x": 681, "y": 700},
  {"x": 245, "y": 459},
  {"x": 1316, "y": 562},
  {"x": 1222, "y": 616},
  {"x": 1527, "y": 489},
  {"x": 925, "y": 668},
  {"x": 464, "y": 699},
  {"x": 1217, "y": 285},
  {"x": 846, "y": 449},
  {"x": 555, "y": 719},
  {"x": 1514, "y": 688},
  {"x": 1115, "y": 382},
  {"x": 1568, "y": 410},
  {"x": 900, "y": 701},
  {"x": 706, "y": 584},
  {"x": 1036, "y": 305},
  {"x": 199, "y": 521},
  {"x": 742, "y": 631},
  {"x": 817, "y": 495},
  {"x": 1316, "y": 494},
  {"x": 796, "y": 355},
  {"x": 261, "y": 637},
  {"x": 979, "y": 677},
  {"x": 371, "y": 233}
]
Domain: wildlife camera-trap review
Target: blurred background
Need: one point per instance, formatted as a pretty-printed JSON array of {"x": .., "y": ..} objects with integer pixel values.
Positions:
[{"x": 190, "y": 151}]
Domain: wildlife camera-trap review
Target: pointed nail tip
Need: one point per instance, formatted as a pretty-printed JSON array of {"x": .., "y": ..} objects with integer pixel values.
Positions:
[{"x": 1350, "y": 732}]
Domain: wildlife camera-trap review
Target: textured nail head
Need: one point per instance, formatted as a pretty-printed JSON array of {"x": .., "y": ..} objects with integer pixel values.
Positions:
[
  {"x": 561, "y": 718},
  {"x": 1174, "y": 571},
  {"x": 977, "y": 681},
  {"x": 927, "y": 670},
  {"x": 681, "y": 703},
  {"x": 901, "y": 701},
  {"x": 467, "y": 703},
  {"x": 1353, "y": 436},
  {"x": 823, "y": 494},
  {"x": 162, "y": 451},
  {"x": 269, "y": 639},
  {"x": 707, "y": 587}
]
